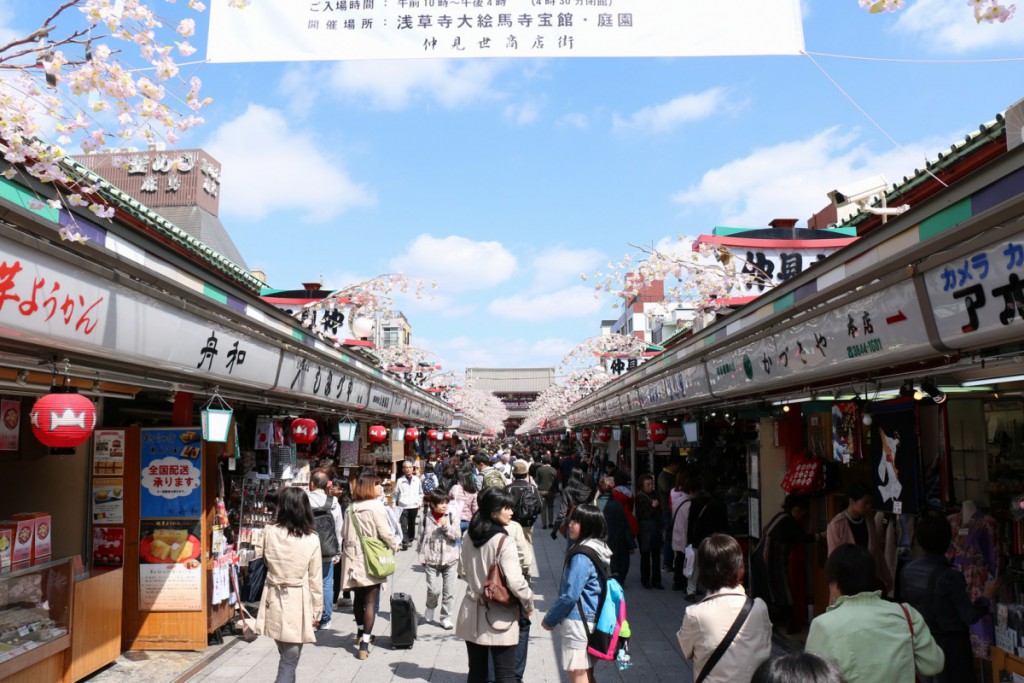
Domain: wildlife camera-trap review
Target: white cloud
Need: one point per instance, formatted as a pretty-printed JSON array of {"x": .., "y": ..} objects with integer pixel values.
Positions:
[
  {"x": 572, "y": 302},
  {"x": 665, "y": 117},
  {"x": 457, "y": 264},
  {"x": 559, "y": 266},
  {"x": 949, "y": 25},
  {"x": 792, "y": 179},
  {"x": 286, "y": 171},
  {"x": 394, "y": 84},
  {"x": 576, "y": 120},
  {"x": 522, "y": 114}
]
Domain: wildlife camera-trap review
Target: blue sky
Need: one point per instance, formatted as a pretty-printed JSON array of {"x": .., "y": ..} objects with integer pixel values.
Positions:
[{"x": 503, "y": 179}]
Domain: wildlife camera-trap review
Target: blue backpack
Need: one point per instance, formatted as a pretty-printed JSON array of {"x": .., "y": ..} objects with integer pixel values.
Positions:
[{"x": 611, "y": 630}]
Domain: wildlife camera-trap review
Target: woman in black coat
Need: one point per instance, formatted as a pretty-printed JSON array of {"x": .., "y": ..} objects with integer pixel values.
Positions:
[
  {"x": 769, "y": 561},
  {"x": 620, "y": 536}
]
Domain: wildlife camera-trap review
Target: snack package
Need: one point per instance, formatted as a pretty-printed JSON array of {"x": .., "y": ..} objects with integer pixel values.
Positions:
[
  {"x": 41, "y": 536},
  {"x": 6, "y": 549},
  {"x": 22, "y": 532}
]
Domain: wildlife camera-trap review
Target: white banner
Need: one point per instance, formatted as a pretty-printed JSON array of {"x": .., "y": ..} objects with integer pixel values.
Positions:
[{"x": 315, "y": 30}]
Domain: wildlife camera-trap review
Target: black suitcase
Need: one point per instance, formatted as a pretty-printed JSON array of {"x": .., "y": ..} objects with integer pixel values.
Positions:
[{"x": 403, "y": 621}]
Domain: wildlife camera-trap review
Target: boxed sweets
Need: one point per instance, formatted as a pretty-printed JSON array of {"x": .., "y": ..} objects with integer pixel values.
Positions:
[
  {"x": 21, "y": 532},
  {"x": 6, "y": 548},
  {"x": 41, "y": 541}
]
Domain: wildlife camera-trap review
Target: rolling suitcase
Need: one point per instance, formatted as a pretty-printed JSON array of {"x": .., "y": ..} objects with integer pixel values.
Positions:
[{"x": 403, "y": 621}]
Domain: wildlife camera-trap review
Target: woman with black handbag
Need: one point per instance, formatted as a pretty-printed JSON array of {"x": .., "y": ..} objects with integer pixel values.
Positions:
[{"x": 497, "y": 593}]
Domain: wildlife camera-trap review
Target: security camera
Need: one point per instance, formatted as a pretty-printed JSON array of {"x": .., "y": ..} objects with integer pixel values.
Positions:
[{"x": 859, "y": 192}]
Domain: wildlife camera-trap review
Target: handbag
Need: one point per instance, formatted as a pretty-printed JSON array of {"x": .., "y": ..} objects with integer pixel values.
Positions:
[
  {"x": 727, "y": 640},
  {"x": 254, "y": 580},
  {"x": 906, "y": 613},
  {"x": 378, "y": 557},
  {"x": 495, "y": 588}
]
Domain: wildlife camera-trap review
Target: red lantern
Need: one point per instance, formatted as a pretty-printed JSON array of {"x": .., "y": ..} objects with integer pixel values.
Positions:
[
  {"x": 572, "y": 436},
  {"x": 657, "y": 432},
  {"x": 378, "y": 434},
  {"x": 447, "y": 435},
  {"x": 411, "y": 434},
  {"x": 604, "y": 434},
  {"x": 304, "y": 431},
  {"x": 433, "y": 434},
  {"x": 63, "y": 419},
  {"x": 585, "y": 435}
]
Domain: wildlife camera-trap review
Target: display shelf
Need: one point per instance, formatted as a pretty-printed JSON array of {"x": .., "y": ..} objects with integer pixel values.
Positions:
[{"x": 35, "y": 614}]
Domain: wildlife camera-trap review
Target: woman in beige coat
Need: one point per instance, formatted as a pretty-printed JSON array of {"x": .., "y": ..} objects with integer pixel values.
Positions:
[
  {"x": 368, "y": 512},
  {"x": 293, "y": 597},
  {"x": 491, "y": 631}
]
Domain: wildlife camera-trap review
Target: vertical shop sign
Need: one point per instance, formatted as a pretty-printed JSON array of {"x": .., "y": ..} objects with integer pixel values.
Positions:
[
  {"x": 171, "y": 473},
  {"x": 845, "y": 433},
  {"x": 10, "y": 424},
  {"x": 170, "y": 571}
]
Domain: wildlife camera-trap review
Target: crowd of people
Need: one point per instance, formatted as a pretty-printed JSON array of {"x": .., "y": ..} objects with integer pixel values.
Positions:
[{"x": 470, "y": 516}]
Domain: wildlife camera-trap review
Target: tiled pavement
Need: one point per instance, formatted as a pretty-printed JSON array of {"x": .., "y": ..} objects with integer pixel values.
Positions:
[{"x": 438, "y": 656}]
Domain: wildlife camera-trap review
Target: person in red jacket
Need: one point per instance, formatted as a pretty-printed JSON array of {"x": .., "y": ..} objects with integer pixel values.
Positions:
[{"x": 624, "y": 495}]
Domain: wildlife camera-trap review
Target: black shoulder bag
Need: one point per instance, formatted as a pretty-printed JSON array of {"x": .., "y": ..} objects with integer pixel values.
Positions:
[{"x": 727, "y": 640}]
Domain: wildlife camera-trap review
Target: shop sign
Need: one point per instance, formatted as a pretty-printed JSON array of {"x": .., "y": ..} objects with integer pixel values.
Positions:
[
  {"x": 878, "y": 330},
  {"x": 108, "y": 500},
  {"x": 170, "y": 565},
  {"x": 380, "y": 400},
  {"x": 767, "y": 267},
  {"x": 299, "y": 375},
  {"x": 171, "y": 478},
  {"x": 978, "y": 300},
  {"x": 108, "y": 546},
  {"x": 108, "y": 452},
  {"x": 740, "y": 368}
]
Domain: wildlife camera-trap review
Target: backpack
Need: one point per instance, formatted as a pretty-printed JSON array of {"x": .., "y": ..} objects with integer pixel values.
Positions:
[
  {"x": 323, "y": 522},
  {"x": 493, "y": 478},
  {"x": 611, "y": 630},
  {"x": 527, "y": 504},
  {"x": 429, "y": 482}
]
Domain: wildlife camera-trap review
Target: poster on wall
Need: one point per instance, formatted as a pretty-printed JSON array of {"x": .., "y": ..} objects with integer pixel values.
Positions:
[
  {"x": 108, "y": 500},
  {"x": 108, "y": 546},
  {"x": 10, "y": 424},
  {"x": 171, "y": 461},
  {"x": 108, "y": 452},
  {"x": 170, "y": 571},
  {"x": 348, "y": 453},
  {"x": 845, "y": 433},
  {"x": 894, "y": 451}
]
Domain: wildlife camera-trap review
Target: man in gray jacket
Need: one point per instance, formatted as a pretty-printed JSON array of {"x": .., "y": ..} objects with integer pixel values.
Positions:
[{"x": 324, "y": 505}]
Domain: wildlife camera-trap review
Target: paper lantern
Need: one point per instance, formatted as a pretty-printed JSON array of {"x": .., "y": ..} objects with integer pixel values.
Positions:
[
  {"x": 572, "y": 435},
  {"x": 347, "y": 431},
  {"x": 63, "y": 418},
  {"x": 362, "y": 327},
  {"x": 411, "y": 434},
  {"x": 585, "y": 435},
  {"x": 378, "y": 434},
  {"x": 433, "y": 434},
  {"x": 304, "y": 431},
  {"x": 604, "y": 434},
  {"x": 447, "y": 435},
  {"x": 657, "y": 432}
]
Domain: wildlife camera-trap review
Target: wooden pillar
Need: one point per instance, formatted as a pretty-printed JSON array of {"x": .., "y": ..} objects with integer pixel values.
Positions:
[{"x": 182, "y": 414}]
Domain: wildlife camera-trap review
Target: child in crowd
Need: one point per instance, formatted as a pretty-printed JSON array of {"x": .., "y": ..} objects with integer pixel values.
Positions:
[{"x": 439, "y": 555}]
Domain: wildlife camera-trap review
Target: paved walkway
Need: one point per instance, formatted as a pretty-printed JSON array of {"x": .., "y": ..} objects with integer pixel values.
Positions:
[{"x": 440, "y": 657}]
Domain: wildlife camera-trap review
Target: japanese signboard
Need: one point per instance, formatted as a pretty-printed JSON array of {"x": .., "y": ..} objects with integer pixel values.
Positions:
[
  {"x": 299, "y": 375},
  {"x": 979, "y": 299},
  {"x": 10, "y": 424},
  {"x": 171, "y": 481},
  {"x": 108, "y": 452},
  {"x": 170, "y": 568},
  {"x": 108, "y": 500},
  {"x": 286, "y": 30}
]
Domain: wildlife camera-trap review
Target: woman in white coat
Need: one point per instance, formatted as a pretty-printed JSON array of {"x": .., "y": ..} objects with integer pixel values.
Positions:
[{"x": 293, "y": 597}]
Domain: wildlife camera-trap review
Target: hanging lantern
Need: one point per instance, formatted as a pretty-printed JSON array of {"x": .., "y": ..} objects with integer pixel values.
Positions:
[
  {"x": 347, "y": 431},
  {"x": 63, "y": 418},
  {"x": 304, "y": 431},
  {"x": 585, "y": 435},
  {"x": 215, "y": 419},
  {"x": 378, "y": 434},
  {"x": 411, "y": 434},
  {"x": 604, "y": 434},
  {"x": 433, "y": 434},
  {"x": 657, "y": 432},
  {"x": 447, "y": 436}
]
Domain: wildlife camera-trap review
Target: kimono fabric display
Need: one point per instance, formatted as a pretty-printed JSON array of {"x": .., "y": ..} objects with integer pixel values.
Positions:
[{"x": 974, "y": 553}]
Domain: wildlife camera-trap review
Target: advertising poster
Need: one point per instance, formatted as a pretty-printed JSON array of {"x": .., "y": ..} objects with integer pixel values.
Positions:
[
  {"x": 348, "y": 453},
  {"x": 108, "y": 546},
  {"x": 845, "y": 433},
  {"x": 108, "y": 500},
  {"x": 171, "y": 473},
  {"x": 894, "y": 451},
  {"x": 108, "y": 453},
  {"x": 170, "y": 571},
  {"x": 10, "y": 424}
]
